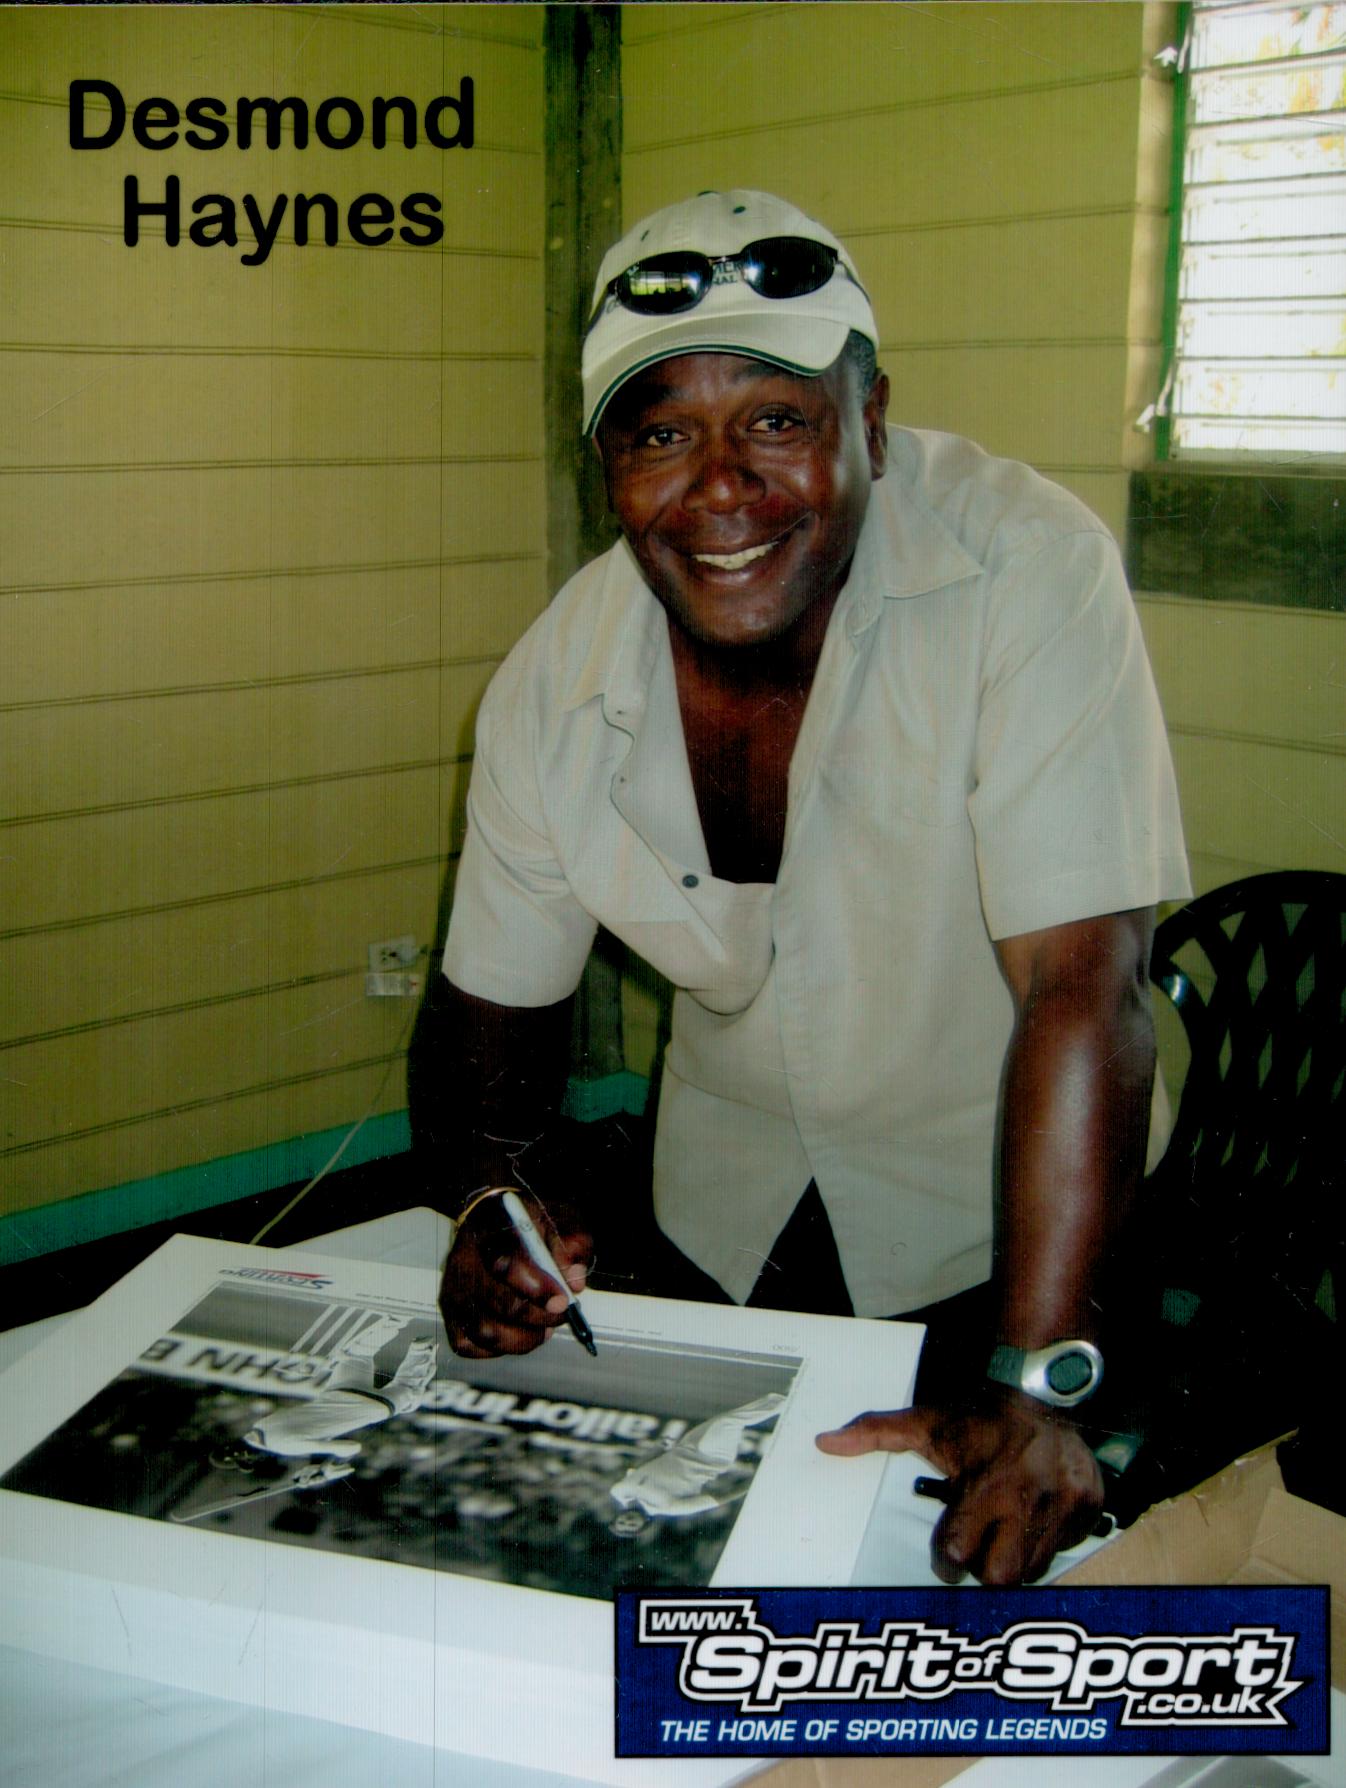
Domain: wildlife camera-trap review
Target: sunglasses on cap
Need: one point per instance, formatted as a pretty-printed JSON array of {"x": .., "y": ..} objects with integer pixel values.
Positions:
[{"x": 774, "y": 267}]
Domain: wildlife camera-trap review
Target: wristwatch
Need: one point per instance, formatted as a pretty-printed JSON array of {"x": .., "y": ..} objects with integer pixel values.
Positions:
[{"x": 1063, "y": 1373}]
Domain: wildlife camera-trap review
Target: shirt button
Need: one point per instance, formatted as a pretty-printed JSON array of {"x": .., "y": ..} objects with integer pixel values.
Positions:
[{"x": 690, "y": 881}]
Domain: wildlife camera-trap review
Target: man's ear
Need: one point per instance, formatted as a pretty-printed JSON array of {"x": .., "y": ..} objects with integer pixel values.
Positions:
[
  {"x": 597, "y": 446},
  {"x": 876, "y": 425}
]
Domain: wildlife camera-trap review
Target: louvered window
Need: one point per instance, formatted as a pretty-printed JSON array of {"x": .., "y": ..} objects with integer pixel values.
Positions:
[{"x": 1259, "y": 332}]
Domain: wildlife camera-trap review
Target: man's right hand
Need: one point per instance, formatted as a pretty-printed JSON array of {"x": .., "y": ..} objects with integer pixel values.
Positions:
[{"x": 494, "y": 1299}]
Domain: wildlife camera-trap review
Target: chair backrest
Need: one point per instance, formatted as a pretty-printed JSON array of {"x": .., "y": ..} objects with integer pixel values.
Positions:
[{"x": 1257, "y": 972}]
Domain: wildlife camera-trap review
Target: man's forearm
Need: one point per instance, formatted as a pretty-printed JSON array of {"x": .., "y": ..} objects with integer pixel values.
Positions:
[
  {"x": 503, "y": 1071},
  {"x": 499, "y": 1075},
  {"x": 1078, "y": 1079}
]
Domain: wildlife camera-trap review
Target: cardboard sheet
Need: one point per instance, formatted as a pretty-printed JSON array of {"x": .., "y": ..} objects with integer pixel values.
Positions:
[{"x": 1242, "y": 1526}]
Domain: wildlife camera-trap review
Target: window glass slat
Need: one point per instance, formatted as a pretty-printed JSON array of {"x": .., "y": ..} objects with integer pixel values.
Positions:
[
  {"x": 1228, "y": 438},
  {"x": 1254, "y": 389},
  {"x": 1312, "y": 91},
  {"x": 1287, "y": 270},
  {"x": 1265, "y": 152},
  {"x": 1223, "y": 35},
  {"x": 1263, "y": 329},
  {"x": 1281, "y": 209}
]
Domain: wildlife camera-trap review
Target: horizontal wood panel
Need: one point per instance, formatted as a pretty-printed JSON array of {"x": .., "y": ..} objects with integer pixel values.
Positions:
[
  {"x": 1154, "y": 132},
  {"x": 200, "y": 955},
  {"x": 112, "y": 410},
  {"x": 1227, "y": 668},
  {"x": 1264, "y": 804},
  {"x": 109, "y": 527},
  {"x": 1149, "y": 251},
  {"x": 640, "y": 24},
  {"x": 1020, "y": 402},
  {"x": 1144, "y": 376},
  {"x": 765, "y": 63},
  {"x": 172, "y": 1061},
  {"x": 1073, "y": 165},
  {"x": 58, "y": 759},
  {"x": 1210, "y": 870},
  {"x": 1102, "y": 492},
  {"x": 74, "y": 288},
  {"x": 1057, "y": 279},
  {"x": 267, "y": 531},
  {"x": 67, "y": 869},
  {"x": 484, "y": 193},
  {"x": 1253, "y": 704},
  {"x": 178, "y": 52},
  {"x": 508, "y": 21},
  {"x": 140, "y": 1150},
  {"x": 68, "y": 644}
]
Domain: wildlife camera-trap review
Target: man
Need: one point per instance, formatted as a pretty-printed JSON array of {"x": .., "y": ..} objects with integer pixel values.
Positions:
[
  {"x": 852, "y": 736},
  {"x": 349, "y": 1399},
  {"x": 313, "y": 1429}
]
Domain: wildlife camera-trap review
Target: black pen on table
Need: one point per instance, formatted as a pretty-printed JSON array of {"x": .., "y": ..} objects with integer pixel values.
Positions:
[{"x": 541, "y": 1256}]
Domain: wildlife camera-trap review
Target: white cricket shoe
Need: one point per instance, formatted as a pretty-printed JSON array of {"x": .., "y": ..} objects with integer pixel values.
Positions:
[{"x": 417, "y": 1370}]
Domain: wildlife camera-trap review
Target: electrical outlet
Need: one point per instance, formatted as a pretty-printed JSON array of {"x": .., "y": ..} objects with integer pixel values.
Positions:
[
  {"x": 390, "y": 966},
  {"x": 392, "y": 954}
]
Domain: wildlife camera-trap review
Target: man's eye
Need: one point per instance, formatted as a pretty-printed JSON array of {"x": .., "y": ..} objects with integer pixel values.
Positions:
[
  {"x": 659, "y": 434},
  {"x": 775, "y": 422}
]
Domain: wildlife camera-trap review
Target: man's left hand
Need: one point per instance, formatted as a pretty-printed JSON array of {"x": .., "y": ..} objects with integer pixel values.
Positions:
[{"x": 1023, "y": 1486}]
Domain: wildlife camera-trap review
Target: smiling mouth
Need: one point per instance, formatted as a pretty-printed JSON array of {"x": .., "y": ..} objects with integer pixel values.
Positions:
[
  {"x": 733, "y": 561},
  {"x": 736, "y": 561}
]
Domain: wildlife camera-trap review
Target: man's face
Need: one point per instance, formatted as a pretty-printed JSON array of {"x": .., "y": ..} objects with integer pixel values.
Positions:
[{"x": 741, "y": 487}]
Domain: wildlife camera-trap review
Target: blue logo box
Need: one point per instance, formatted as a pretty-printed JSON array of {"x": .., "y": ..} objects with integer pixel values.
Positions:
[{"x": 971, "y": 1672}]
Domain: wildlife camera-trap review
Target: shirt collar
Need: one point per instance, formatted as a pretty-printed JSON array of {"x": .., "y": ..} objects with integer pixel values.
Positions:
[
  {"x": 904, "y": 550},
  {"x": 628, "y": 633}
]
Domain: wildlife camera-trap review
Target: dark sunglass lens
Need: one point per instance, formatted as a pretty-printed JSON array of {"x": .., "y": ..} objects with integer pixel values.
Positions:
[
  {"x": 665, "y": 283},
  {"x": 787, "y": 266}
]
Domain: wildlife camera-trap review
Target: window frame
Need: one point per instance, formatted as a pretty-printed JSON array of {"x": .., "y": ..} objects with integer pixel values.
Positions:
[{"x": 1237, "y": 528}]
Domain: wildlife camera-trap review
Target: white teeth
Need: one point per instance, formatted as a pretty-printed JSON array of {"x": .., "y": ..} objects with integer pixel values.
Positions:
[{"x": 733, "y": 561}]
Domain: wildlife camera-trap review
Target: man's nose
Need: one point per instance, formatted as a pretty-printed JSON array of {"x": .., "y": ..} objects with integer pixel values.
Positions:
[{"x": 724, "y": 478}]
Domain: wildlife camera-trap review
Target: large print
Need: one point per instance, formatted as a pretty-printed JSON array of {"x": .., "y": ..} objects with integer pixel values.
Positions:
[{"x": 276, "y": 1413}]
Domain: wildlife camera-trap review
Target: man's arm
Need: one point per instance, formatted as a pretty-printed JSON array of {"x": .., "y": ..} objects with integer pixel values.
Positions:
[
  {"x": 1078, "y": 1076},
  {"x": 1079, "y": 1073},
  {"x": 504, "y": 1071}
]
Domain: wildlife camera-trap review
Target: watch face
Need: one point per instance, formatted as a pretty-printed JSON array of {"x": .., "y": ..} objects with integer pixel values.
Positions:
[{"x": 1070, "y": 1372}]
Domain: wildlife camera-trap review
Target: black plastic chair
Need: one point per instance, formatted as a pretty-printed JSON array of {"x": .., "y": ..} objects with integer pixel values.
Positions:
[
  {"x": 1255, "y": 1170},
  {"x": 1241, "y": 1241}
]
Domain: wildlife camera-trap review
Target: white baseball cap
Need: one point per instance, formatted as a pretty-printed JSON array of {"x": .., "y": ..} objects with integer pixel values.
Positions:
[{"x": 805, "y": 333}]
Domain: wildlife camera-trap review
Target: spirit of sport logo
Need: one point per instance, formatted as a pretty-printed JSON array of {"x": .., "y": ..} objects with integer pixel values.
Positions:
[{"x": 1239, "y": 1678}]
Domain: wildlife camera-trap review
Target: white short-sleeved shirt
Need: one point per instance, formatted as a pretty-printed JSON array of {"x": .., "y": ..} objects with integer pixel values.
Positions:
[{"x": 982, "y": 754}]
